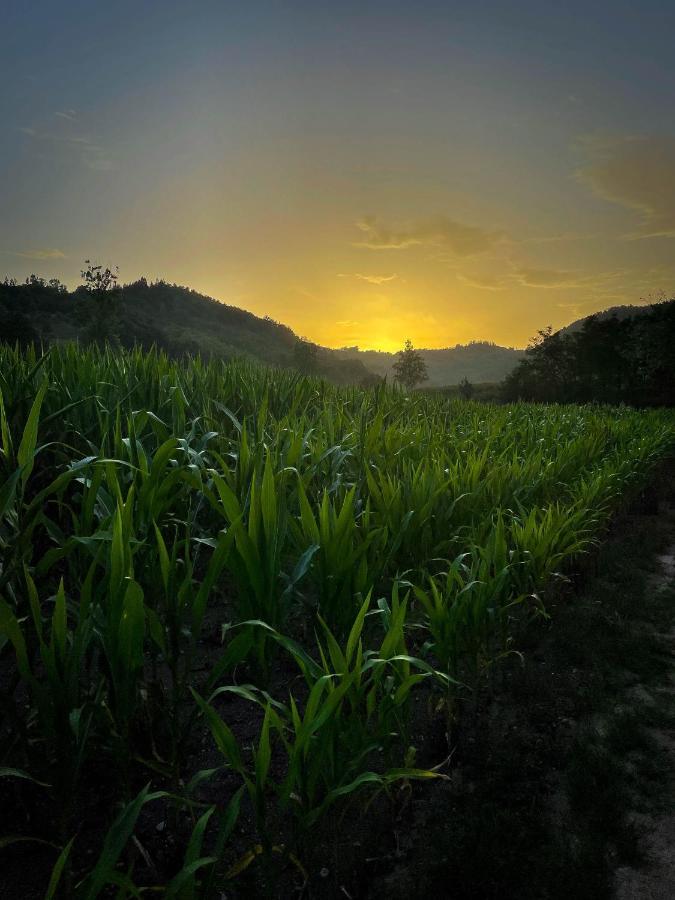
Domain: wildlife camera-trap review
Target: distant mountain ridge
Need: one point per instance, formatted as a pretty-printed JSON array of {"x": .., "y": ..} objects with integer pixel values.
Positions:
[
  {"x": 181, "y": 320},
  {"x": 479, "y": 361}
]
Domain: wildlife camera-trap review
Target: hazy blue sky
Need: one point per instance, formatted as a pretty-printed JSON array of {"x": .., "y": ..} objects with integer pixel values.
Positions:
[{"x": 361, "y": 171}]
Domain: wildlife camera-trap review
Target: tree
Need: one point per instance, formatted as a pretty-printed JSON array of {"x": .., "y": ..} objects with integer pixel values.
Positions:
[
  {"x": 466, "y": 389},
  {"x": 606, "y": 359},
  {"x": 410, "y": 369},
  {"x": 101, "y": 285},
  {"x": 99, "y": 281},
  {"x": 15, "y": 327},
  {"x": 371, "y": 380},
  {"x": 305, "y": 356},
  {"x": 545, "y": 373}
]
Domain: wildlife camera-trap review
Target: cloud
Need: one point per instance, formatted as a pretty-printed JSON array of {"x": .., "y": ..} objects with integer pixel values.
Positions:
[
  {"x": 530, "y": 276},
  {"x": 44, "y": 253},
  {"x": 550, "y": 278},
  {"x": 637, "y": 173},
  {"x": 484, "y": 282},
  {"x": 348, "y": 323},
  {"x": 61, "y": 136},
  {"x": 460, "y": 239},
  {"x": 371, "y": 279},
  {"x": 563, "y": 238},
  {"x": 577, "y": 307}
]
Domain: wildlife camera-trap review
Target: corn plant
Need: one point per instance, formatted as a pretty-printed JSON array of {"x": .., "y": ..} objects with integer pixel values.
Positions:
[
  {"x": 144, "y": 498},
  {"x": 341, "y": 573},
  {"x": 355, "y": 710}
]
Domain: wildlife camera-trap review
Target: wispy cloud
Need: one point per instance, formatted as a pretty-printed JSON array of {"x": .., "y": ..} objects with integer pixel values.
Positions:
[
  {"x": 42, "y": 253},
  {"x": 348, "y": 323},
  {"x": 549, "y": 278},
  {"x": 62, "y": 133},
  {"x": 638, "y": 173},
  {"x": 485, "y": 282},
  {"x": 566, "y": 237},
  {"x": 371, "y": 279},
  {"x": 458, "y": 238},
  {"x": 532, "y": 276}
]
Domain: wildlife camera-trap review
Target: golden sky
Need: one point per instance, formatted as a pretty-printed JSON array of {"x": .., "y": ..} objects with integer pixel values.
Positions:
[{"x": 362, "y": 174}]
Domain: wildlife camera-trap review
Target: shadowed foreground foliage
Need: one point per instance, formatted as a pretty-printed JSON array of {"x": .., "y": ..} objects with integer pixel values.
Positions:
[{"x": 234, "y": 600}]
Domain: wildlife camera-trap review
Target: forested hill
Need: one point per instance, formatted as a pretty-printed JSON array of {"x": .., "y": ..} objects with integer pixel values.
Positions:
[
  {"x": 180, "y": 320},
  {"x": 479, "y": 361},
  {"x": 608, "y": 358},
  {"x": 628, "y": 311},
  {"x": 177, "y": 319}
]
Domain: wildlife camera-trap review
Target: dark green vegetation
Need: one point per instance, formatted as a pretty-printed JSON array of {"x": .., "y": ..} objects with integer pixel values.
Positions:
[
  {"x": 178, "y": 321},
  {"x": 562, "y": 751},
  {"x": 241, "y": 609},
  {"x": 607, "y": 359},
  {"x": 479, "y": 361},
  {"x": 489, "y": 391},
  {"x": 175, "y": 319},
  {"x": 409, "y": 368}
]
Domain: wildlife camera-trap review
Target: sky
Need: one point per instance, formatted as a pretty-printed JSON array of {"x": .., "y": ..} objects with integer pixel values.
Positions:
[{"x": 363, "y": 172}]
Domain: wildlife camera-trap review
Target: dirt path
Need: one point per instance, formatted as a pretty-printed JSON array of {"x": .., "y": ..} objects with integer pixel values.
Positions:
[{"x": 655, "y": 879}]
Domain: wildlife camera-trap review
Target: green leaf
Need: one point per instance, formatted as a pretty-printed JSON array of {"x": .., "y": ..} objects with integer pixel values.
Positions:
[
  {"x": 357, "y": 628},
  {"x": 268, "y": 502},
  {"x": 225, "y": 740},
  {"x": 184, "y": 883},
  {"x": 115, "y": 841},
  {"x": 8, "y": 493},
  {"x": 26, "y": 452},
  {"x": 57, "y": 871},
  {"x": 6, "y": 772}
]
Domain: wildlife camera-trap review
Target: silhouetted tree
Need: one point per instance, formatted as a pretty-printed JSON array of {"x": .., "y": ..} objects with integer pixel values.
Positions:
[
  {"x": 466, "y": 389},
  {"x": 410, "y": 369},
  {"x": 607, "y": 359},
  {"x": 101, "y": 285},
  {"x": 16, "y": 327}
]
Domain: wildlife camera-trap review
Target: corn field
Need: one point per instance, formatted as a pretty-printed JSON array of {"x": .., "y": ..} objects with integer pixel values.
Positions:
[{"x": 179, "y": 540}]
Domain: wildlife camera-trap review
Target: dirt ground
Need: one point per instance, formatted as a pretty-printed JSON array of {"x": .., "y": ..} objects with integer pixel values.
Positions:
[{"x": 656, "y": 879}]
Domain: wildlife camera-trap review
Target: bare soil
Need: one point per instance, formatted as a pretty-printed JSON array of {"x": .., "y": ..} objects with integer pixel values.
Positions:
[{"x": 655, "y": 880}]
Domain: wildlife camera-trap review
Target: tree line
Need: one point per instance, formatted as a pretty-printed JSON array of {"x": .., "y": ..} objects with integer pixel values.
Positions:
[{"x": 606, "y": 360}]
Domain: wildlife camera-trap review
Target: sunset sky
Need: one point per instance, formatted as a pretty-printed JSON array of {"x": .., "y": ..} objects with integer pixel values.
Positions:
[{"x": 363, "y": 172}]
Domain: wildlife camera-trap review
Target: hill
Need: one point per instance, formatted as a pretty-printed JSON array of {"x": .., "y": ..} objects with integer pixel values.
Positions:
[
  {"x": 628, "y": 311},
  {"x": 623, "y": 356},
  {"x": 175, "y": 318},
  {"x": 180, "y": 320},
  {"x": 479, "y": 361}
]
